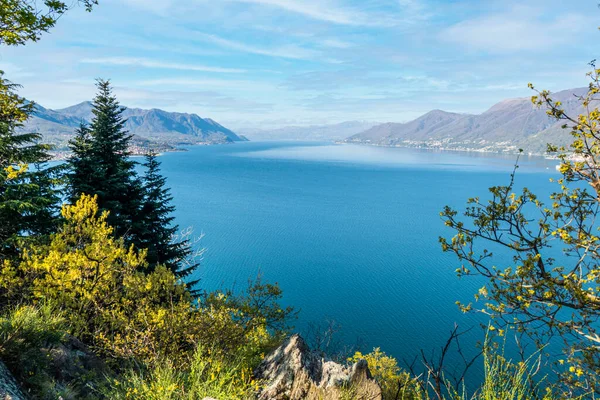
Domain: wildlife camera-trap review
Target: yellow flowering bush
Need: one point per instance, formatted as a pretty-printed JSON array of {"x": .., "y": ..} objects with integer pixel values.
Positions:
[
  {"x": 394, "y": 382},
  {"x": 122, "y": 312},
  {"x": 13, "y": 173}
]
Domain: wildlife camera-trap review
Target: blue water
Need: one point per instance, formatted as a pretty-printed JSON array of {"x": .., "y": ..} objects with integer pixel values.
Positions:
[{"x": 349, "y": 232}]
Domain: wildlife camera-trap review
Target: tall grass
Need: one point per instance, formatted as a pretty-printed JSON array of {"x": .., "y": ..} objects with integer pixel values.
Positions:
[
  {"x": 508, "y": 380},
  {"x": 504, "y": 379},
  {"x": 208, "y": 374},
  {"x": 27, "y": 333}
]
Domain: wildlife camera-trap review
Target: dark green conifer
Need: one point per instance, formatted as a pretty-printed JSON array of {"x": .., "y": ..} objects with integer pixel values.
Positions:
[
  {"x": 101, "y": 164},
  {"x": 29, "y": 198},
  {"x": 140, "y": 209},
  {"x": 159, "y": 232},
  {"x": 83, "y": 173}
]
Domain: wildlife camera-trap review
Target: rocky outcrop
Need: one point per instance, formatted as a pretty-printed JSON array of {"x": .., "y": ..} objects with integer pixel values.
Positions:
[
  {"x": 70, "y": 367},
  {"x": 73, "y": 363},
  {"x": 9, "y": 388},
  {"x": 294, "y": 372}
]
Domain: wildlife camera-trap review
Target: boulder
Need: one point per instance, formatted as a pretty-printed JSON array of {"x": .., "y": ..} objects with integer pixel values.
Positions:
[
  {"x": 9, "y": 388},
  {"x": 294, "y": 372},
  {"x": 73, "y": 364}
]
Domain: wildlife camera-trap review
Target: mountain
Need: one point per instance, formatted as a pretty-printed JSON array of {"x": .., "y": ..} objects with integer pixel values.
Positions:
[
  {"x": 58, "y": 126},
  {"x": 332, "y": 132},
  {"x": 506, "y": 126}
]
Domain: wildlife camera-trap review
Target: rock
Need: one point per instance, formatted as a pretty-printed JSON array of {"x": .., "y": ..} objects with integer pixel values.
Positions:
[
  {"x": 294, "y": 372},
  {"x": 73, "y": 365},
  {"x": 9, "y": 388},
  {"x": 72, "y": 359}
]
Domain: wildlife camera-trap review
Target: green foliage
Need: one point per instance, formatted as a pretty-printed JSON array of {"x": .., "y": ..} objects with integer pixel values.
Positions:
[
  {"x": 208, "y": 374},
  {"x": 13, "y": 109},
  {"x": 506, "y": 380},
  {"x": 257, "y": 306},
  {"x": 156, "y": 228},
  {"x": 140, "y": 208},
  {"x": 83, "y": 269},
  {"x": 101, "y": 166},
  {"x": 25, "y": 20},
  {"x": 82, "y": 168},
  {"x": 107, "y": 301},
  {"x": 395, "y": 383},
  {"x": 538, "y": 293},
  {"x": 28, "y": 194},
  {"x": 26, "y": 333},
  {"x": 257, "y": 321},
  {"x": 85, "y": 278},
  {"x": 127, "y": 314}
]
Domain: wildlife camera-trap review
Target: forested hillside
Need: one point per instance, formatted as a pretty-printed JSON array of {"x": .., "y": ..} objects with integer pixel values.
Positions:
[
  {"x": 507, "y": 126},
  {"x": 171, "y": 128}
]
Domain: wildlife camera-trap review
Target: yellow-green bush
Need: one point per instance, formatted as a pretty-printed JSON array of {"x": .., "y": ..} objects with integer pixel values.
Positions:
[
  {"x": 394, "y": 382},
  {"x": 508, "y": 380},
  {"x": 111, "y": 304},
  {"x": 96, "y": 281},
  {"x": 208, "y": 374}
]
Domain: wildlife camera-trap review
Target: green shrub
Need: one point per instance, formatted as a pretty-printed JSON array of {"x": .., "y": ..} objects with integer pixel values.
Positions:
[
  {"x": 394, "y": 382},
  {"x": 26, "y": 333},
  {"x": 208, "y": 374},
  {"x": 123, "y": 313},
  {"x": 503, "y": 379},
  {"x": 506, "y": 379}
]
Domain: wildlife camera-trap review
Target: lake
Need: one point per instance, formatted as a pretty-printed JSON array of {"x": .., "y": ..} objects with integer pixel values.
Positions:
[{"x": 349, "y": 232}]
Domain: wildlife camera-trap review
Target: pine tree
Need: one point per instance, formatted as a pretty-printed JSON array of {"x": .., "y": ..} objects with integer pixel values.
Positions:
[
  {"x": 101, "y": 164},
  {"x": 29, "y": 196},
  {"x": 140, "y": 209},
  {"x": 158, "y": 229},
  {"x": 82, "y": 174}
]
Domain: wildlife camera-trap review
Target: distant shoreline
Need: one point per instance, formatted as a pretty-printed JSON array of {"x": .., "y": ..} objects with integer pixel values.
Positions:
[
  {"x": 137, "y": 151},
  {"x": 461, "y": 149},
  {"x": 64, "y": 155}
]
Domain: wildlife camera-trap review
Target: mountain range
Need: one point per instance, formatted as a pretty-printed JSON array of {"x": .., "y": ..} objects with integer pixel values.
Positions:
[
  {"x": 332, "y": 132},
  {"x": 507, "y": 126},
  {"x": 57, "y": 126}
]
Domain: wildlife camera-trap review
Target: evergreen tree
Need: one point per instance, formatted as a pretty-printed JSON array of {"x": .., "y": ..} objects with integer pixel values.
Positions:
[
  {"x": 101, "y": 164},
  {"x": 83, "y": 173},
  {"x": 28, "y": 193},
  {"x": 158, "y": 229},
  {"x": 140, "y": 209}
]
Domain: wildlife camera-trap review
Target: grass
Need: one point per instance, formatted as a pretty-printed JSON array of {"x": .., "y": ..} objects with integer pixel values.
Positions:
[{"x": 209, "y": 374}]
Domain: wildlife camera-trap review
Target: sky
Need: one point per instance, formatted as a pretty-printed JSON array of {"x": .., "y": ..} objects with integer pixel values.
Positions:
[{"x": 271, "y": 63}]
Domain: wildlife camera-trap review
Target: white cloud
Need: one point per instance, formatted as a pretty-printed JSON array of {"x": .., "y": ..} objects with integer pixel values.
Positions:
[
  {"x": 520, "y": 29},
  {"x": 155, "y": 6},
  {"x": 336, "y": 43},
  {"x": 214, "y": 84},
  {"x": 412, "y": 6},
  {"x": 288, "y": 51},
  {"x": 322, "y": 10},
  {"x": 13, "y": 71},
  {"x": 314, "y": 10},
  {"x": 147, "y": 63}
]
